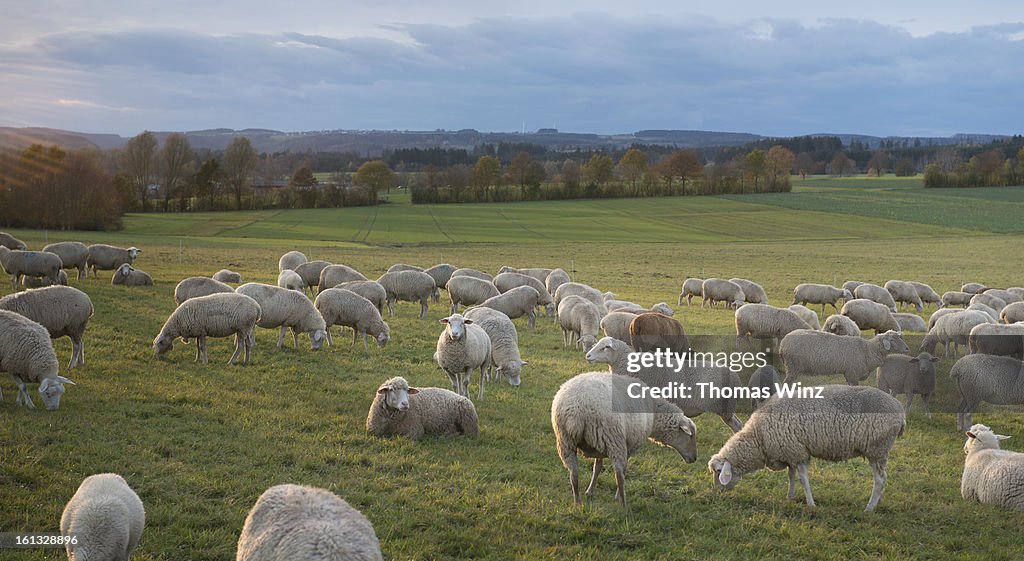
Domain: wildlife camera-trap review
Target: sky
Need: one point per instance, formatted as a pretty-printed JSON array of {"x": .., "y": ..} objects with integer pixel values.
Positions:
[{"x": 780, "y": 68}]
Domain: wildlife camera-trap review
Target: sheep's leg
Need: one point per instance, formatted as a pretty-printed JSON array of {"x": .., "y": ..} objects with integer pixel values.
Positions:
[
  {"x": 801, "y": 470},
  {"x": 330, "y": 340},
  {"x": 792, "y": 483},
  {"x": 424, "y": 306},
  {"x": 906, "y": 408},
  {"x": 280, "y": 338},
  {"x": 81, "y": 352},
  {"x": 680, "y": 302},
  {"x": 454, "y": 307},
  {"x": 533, "y": 319},
  {"x": 878, "y": 487},
  {"x": 565, "y": 341},
  {"x": 704, "y": 299},
  {"x": 927, "y": 404},
  {"x": 598, "y": 468},
  {"x": 391, "y": 306},
  {"x": 734, "y": 422},
  {"x": 238, "y": 348},
  {"x": 365, "y": 346},
  {"x": 23, "y": 397},
  {"x": 201, "y": 342},
  {"x": 295, "y": 338},
  {"x": 199, "y": 349},
  {"x": 480, "y": 394},
  {"x": 572, "y": 464},
  {"x": 619, "y": 463}
]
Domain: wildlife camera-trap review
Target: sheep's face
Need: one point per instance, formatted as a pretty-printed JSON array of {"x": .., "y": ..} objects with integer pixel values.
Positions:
[
  {"x": 396, "y": 396},
  {"x": 163, "y": 344},
  {"x": 925, "y": 363},
  {"x": 981, "y": 437},
  {"x": 512, "y": 371},
  {"x": 736, "y": 303},
  {"x": 893, "y": 343},
  {"x": 721, "y": 471},
  {"x": 681, "y": 436},
  {"x": 133, "y": 252},
  {"x": 549, "y": 308},
  {"x": 588, "y": 342},
  {"x": 317, "y": 338},
  {"x": 604, "y": 351},
  {"x": 382, "y": 338},
  {"x": 51, "y": 390},
  {"x": 662, "y": 308},
  {"x": 456, "y": 326},
  {"x": 847, "y": 295}
]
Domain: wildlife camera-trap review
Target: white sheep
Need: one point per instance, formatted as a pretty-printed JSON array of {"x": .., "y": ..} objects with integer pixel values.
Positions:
[
  {"x": 904, "y": 293},
  {"x": 877, "y": 294},
  {"x": 287, "y": 309},
  {"x": 841, "y": 325},
  {"x": 998, "y": 380},
  {"x": 910, "y": 322},
  {"x": 106, "y": 518},
  {"x": 579, "y": 289},
  {"x": 469, "y": 291},
  {"x": 556, "y": 278},
  {"x": 64, "y": 312},
  {"x": 130, "y": 276},
  {"x": 956, "y": 298},
  {"x": 371, "y": 290},
  {"x": 404, "y": 267},
  {"x": 973, "y": 288},
  {"x": 926, "y": 293},
  {"x": 227, "y": 275},
  {"x": 21, "y": 264},
  {"x": 292, "y": 522},
  {"x": 461, "y": 348},
  {"x": 626, "y": 306},
  {"x": 539, "y": 273},
  {"x": 994, "y": 339},
  {"x": 953, "y": 328},
  {"x": 765, "y": 378},
  {"x": 787, "y": 431},
  {"x": 40, "y": 282},
  {"x": 809, "y": 316},
  {"x": 616, "y": 324},
  {"x": 852, "y": 285},
  {"x": 987, "y": 299},
  {"x": 198, "y": 286},
  {"x": 691, "y": 287},
  {"x": 291, "y": 260},
  {"x": 215, "y": 315},
  {"x": 310, "y": 272},
  {"x": 752, "y": 292},
  {"x": 505, "y": 282},
  {"x": 467, "y": 272},
  {"x": 762, "y": 321},
  {"x": 721, "y": 290},
  {"x": 27, "y": 355},
  {"x": 441, "y": 273},
  {"x": 73, "y": 255},
  {"x": 868, "y": 314},
  {"x": 805, "y": 351},
  {"x": 593, "y": 413},
  {"x": 992, "y": 476},
  {"x": 902, "y": 374},
  {"x": 824, "y": 294},
  {"x": 1012, "y": 313},
  {"x": 978, "y": 306},
  {"x": 340, "y": 306},
  {"x": 105, "y": 257},
  {"x": 413, "y": 413},
  {"x": 579, "y": 319},
  {"x": 408, "y": 286},
  {"x": 11, "y": 242},
  {"x": 290, "y": 280},
  {"x": 505, "y": 356},
  {"x": 1019, "y": 291},
  {"x": 1005, "y": 295},
  {"x": 333, "y": 275},
  {"x": 517, "y": 302}
]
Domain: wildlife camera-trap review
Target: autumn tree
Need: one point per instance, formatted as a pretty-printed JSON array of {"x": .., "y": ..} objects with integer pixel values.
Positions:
[
  {"x": 517, "y": 169},
  {"x": 486, "y": 173},
  {"x": 681, "y": 165},
  {"x": 841, "y": 165},
  {"x": 599, "y": 170},
  {"x": 238, "y": 163},
  {"x": 804, "y": 164},
  {"x": 778, "y": 165},
  {"x": 137, "y": 163},
  {"x": 570, "y": 174},
  {"x": 754, "y": 164},
  {"x": 374, "y": 176},
  {"x": 879, "y": 162},
  {"x": 175, "y": 165},
  {"x": 633, "y": 165}
]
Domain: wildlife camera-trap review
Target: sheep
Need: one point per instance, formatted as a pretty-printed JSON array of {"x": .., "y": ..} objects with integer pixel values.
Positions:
[
  {"x": 291, "y": 280},
  {"x": 876, "y": 293},
  {"x": 954, "y": 298},
  {"x": 902, "y": 374},
  {"x": 198, "y": 286},
  {"x": 996, "y": 304},
  {"x": 310, "y": 272},
  {"x": 992, "y": 476},
  {"x": 752, "y": 292},
  {"x": 20, "y": 264},
  {"x": 11, "y": 242},
  {"x": 469, "y": 291},
  {"x": 1012, "y": 313},
  {"x": 953, "y": 328},
  {"x": 463, "y": 347},
  {"x": 290, "y": 522},
  {"x": 595, "y": 414},
  {"x": 579, "y": 289},
  {"x": 27, "y": 355},
  {"x": 441, "y": 273},
  {"x": 651, "y": 331},
  {"x": 820, "y": 294},
  {"x": 1016, "y": 290},
  {"x": 1004, "y": 295},
  {"x": 517, "y": 302},
  {"x": 467, "y": 272},
  {"x": 539, "y": 273},
  {"x": 291, "y": 260},
  {"x": 333, "y": 275},
  {"x": 556, "y": 278},
  {"x": 340, "y": 306},
  {"x": 787, "y": 431},
  {"x": 973, "y": 288},
  {"x": 721, "y": 290},
  {"x": 926, "y": 293},
  {"x": 819, "y": 353},
  {"x": 74, "y": 255},
  {"x": 998, "y": 380},
  {"x": 766, "y": 322},
  {"x": 615, "y": 354},
  {"x": 994, "y": 339},
  {"x": 64, "y": 312},
  {"x": 852, "y": 285},
  {"x": 505, "y": 355},
  {"x": 868, "y": 314},
  {"x": 616, "y": 324},
  {"x": 404, "y": 267},
  {"x": 910, "y": 322},
  {"x": 766, "y": 378},
  {"x": 507, "y": 281},
  {"x": 400, "y": 410},
  {"x": 691, "y": 287},
  {"x": 809, "y": 316},
  {"x": 40, "y": 282},
  {"x": 939, "y": 313},
  {"x": 979, "y": 307},
  {"x": 107, "y": 518},
  {"x": 105, "y": 257},
  {"x": 841, "y": 325},
  {"x": 579, "y": 319},
  {"x": 371, "y": 290},
  {"x": 130, "y": 276},
  {"x": 625, "y": 306},
  {"x": 409, "y": 286},
  {"x": 285, "y": 308},
  {"x": 214, "y": 315},
  {"x": 904, "y": 293},
  {"x": 227, "y": 275}
]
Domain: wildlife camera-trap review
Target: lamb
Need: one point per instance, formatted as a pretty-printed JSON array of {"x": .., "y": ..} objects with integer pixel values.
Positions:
[
  {"x": 517, "y": 302},
  {"x": 902, "y": 374},
  {"x": 1004, "y": 295},
  {"x": 463, "y": 347},
  {"x": 787, "y": 431},
  {"x": 819, "y": 353},
  {"x": 691, "y": 287},
  {"x": 910, "y": 322},
  {"x": 953, "y": 328},
  {"x": 841, "y": 325},
  {"x": 106, "y": 517},
  {"x": 290, "y": 522},
  {"x": 227, "y": 275},
  {"x": 752, "y": 292},
  {"x": 998, "y": 380},
  {"x": 40, "y": 282},
  {"x": 651, "y": 331},
  {"x": 616, "y": 324},
  {"x": 954, "y": 298},
  {"x": 820, "y": 294},
  {"x": 868, "y": 314},
  {"x": 198, "y": 286},
  {"x": 20, "y": 264},
  {"x": 285, "y": 308},
  {"x": 333, "y": 275},
  {"x": 592, "y": 413},
  {"x": 994, "y": 339},
  {"x": 852, "y": 285},
  {"x": 766, "y": 322},
  {"x": 973, "y": 288},
  {"x": 505, "y": 355},
  {"x": 72, "y": 254},
  {"x": 11, "y": 242},
  {"x": 766, "y": 378},
  {"x": 904, "y": 293},
  {"x": 64, "y": 312},
  {"x": 105, "y": 257},
  {"x": 371, "y": 290},
  {"x": 467, "y": 272},
  {"x": 556, "y": 278},
  {"x": 469, "y": 291},
  {"x": 579, "y": 319},
  {"x": 996, "y": 304},
  {"x": 927, "y": 294},
  {"x": 310, "y": 272},
  {"x": 291, "y": 280},
  {"x": 721, "y": 290},
  {"x": 130, "y": 276},
  {"x": 215, "y": 315},
  {"x": 1012, "y": 313},
  {"x": 809, "y": 316},
  {"x": 291, "y": 260},
  {"x": 27, "y": 355},
  {"x": 339, "y": 306},
  {"x": 992, "y": 476},
  {"x": 507, "y": 281},
  {"x": 876, "y": 293},
  {"x": 410, "y": 286},
  {"x": 401, "y": 410}
]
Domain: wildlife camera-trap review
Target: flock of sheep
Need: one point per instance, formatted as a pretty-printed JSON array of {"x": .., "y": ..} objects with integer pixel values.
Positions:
[{"x": 592, "y": 413}]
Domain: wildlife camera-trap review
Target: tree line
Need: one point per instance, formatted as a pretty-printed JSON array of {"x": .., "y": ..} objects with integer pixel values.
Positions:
[{"x": 989, "y": 168}]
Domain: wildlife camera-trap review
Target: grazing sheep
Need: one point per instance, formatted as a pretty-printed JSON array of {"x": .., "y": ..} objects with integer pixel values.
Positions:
[
  {"x": 214, "y": 315},
  {"x": 333, "y": 275},
  {"x": 818, "y": 353},
  {"x": 467, "y": 272},
  {"x": 505, "y": 357},
  {"x": 939, "y": 313},
  {"x": 691, "y": 287},
  {"x": 507, "y": 281},
  {"x": 592, "y": 413},
  {"x": 973, "y": 288},
  {"x": 64, "y": 312},
  {"x": 339, "y": 306},
  {"x": 286, "y": 309},
  {"x": 20, "y": 264},
  {"x": 106, "y": 517},
  {"x": 954, "y": 298},
  {"x": 996, "y": 304},
  {"x": 979, "y": 307},
  {"x": 1016, "y": 290},
  {"x": 40, "y": 282},
  {"x": 27, "y": 355},
  {"x": 516, "y": 303},
  {"x": 721, "y": 290},
  {"x": 841, "y": 325},
  {"x": 400, "y": 410},
  {"x": 539, "y": 273},
  {"x": 310, "y": 273},
  {"x": 1004, "y": 295},
  {"x": 876, "y": 293},
  {"x": 786, "y": 432},
  {"x": 904, "y": 293},
  {"x": 1012, "y": 313},
  {"x": 902, "y": 374},
  {"x": 130, "y": 276},
  {"x": 198, "y": 286},
  {"x": 227, "y": 275},
  {"x": 868, "y": 314},
  {"x": 625, "y": 306},
  {"x": 105, "y": 257},
  {"x": 74, "y": 255},
  {"x": 651, "y": 331},
  {"x": 992, "y": 476},
  {"x": 463, "y": 347},
  {"x": 910, "y": 322},
  {"x": 752, "y": 292},
  {"x": 371, "y": 290},
  {"x": 469, "y": 291},
  {"x": 762, "y": 321},
  {"x": 809, "y": 316},
  {"x": 616, "y": 324},
  {"x": 11, "y": 242},
  {"x": 998, "y": 380},
  {"x": 579, "y": 319},
  {"x": 291, "y": 280},
  {"x": 556, "y": 278},
  {"x": 994, "y": 339},
  {"x": 953, "y": 328},
  {"x": 404, "y": 267},
  {"x": 851, "y": 285},
  {"x": 292, "y": 522},
  {"x": 291, "y": 260},
  {"x": 823, "y": 294},
  {"x": 441, "y": 273},
  {"x": 580, "y": 289},
  {"x": 927, "y": 294},
  {"x": 408, "y": 286},
  {"x": 765, "y": 378}
]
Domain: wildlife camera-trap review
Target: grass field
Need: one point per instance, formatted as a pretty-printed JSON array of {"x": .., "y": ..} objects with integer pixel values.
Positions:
[{"x": 200, "y": 442}]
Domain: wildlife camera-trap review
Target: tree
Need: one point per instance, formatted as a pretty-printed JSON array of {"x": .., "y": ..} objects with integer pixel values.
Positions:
[
  {"x": 680, "y": 164},
  {"x": 303, "y": 177},
  {"x": 137, "y": 163},
  {"x": 534, "y": 176},
  {"x": 205, "y": 182},
  {"x": 633, "y": 165},
  {"x": 598, "y": 170},
  {"x": 778, "y": 164},
  {"x": 486, "y": 173},
  {"x": 569, "y": 175},
  {"x": 238, "y": 163},
  {"x": 841, "y": 164},
  {"x": 374, "y": 176},
  {"x": 517, "y": 169},
  {"x": 175, "y": 162},
  {"x": 905, "y": 167},
  {"x": 754, "y": 164},
  {"x": 879, "y": 162},
  {"x": 804, "y": 164}
]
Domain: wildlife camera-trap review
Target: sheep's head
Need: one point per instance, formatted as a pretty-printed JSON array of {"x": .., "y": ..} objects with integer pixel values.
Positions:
[
  {"x": 456, "y": 326},
  {"x": 735, "y": 304},
  {"x": 125, "y": 270},
  {"x": 512, "y": 371},
  {"x": 893, "y": 343},
  {"x": 507, "y": 269},
  {"x": 162, "y": 344},
  {"x": 675, "y": 430},
  {"x": 722, "y": 472},
  {"x": 609, "y": 296},
  {"x": 317, "y": 338},
  {"x": 925, "y": 363},
  {"x": 549, "y": 308},
  {"x": 384, "y": 336},
  {"x": 588, "y": 342},
  {"x": 51, "y": 390},
  {"x": 981, "y": 437},
  {"x": 396, "y": 392},
  {"x": 847, "y": 295},
  {"x": 133, "y": 252},
  {"x": 663, "y": 308},
  {"x": 608, "y": 350}
]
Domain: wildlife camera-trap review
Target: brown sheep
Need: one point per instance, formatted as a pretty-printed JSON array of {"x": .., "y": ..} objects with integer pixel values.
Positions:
[{"x": 651, "y": 331}]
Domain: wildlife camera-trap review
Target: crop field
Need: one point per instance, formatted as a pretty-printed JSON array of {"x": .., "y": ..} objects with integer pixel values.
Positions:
[{"x": 199, "y": 443}]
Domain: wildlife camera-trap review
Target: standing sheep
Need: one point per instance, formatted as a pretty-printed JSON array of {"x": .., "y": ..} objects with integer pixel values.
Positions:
[
  {"x": 408, "y": 286},
  {"x": 20, "y": 264},
  {"x": 290, "y": 280},
  {"x": 593, "y": 413},
  {"x": 293, "y": 522},
  {"x": 227, "y": 275},
  {"x": 291, "y": 260},
  {"x": 105, "y": 257},
  {"x": 979, "y": 307},
  {"x": 280, "y": 307},
  {"x": 579, "y": 319},
  {"x": 762, "y": 321},
  {"x": 752, "y": 292},
  {"x": 505, "y": 355},
  {"x": 1004, "y": 295},
  {"x": 469, "y": 291},
  {"x": 953, "y": 328},
  {"x": 877, "y": 294},
  {"x": 441, "y": 273},
  {"x": 616, "y": 325},
  {"x": 404, "y": 267},
  {"x": 1012, "y": 313},
  {"x": 584, "y": 291},
  {"x": 651, "y": 331},
  {"x": 462, "y": 348},
  {"x": 851, "y": 285},
  {"x": 467, "y": 272},
  {"x": 310, "y": 273},
  {"x": 1019, "y": 291},
  {"x": 74, "y": 255},
  {"x": 868, "y": 314},
  {"x": 841, "y": 325},
  {"x": 818, "y": 353},
  {"x": 371, "y": 290},
  {"x": 400, "y": 410},
  {"x": 786, "y": 432},
  {"x": 691, "y": 287},
  {"x": 766, "y": 379},
  {"x": 11, "y": 242},
  {"x": 954, "y": 298},
  {"x": 973, "y": 288},
  {"x": 198, "y": 286},
  {"x": 215, "y": 315},
  {"x": 64, "y": 312},
  {"x": 516, "y": 303},
  {"x": 927, "y": 294},
  {"x": 809, "y": 316},
  {"x": 902, "y": 374},
  {"x": 333, "y": 275},
  {"x": 823, "y": 294},
  {"x": 998, "y": 380},
  {"x": 996, "y": 304},
  {"x": 721, "y": 290},
  {"x": 507, "y": 281},
  {"x": 106, "y": 517},
  {"x": 339, "y": 306},
  {"x": 555, "y": 279},
  {"x": 904, "y": 293},
  {"x": 994, "y": 339},
  {"x": 130, "y": 276},
  {"x": 539, "y": 273},
  {"x": 27, "y": 355},
  {"x": 910, "y": 323},
  {"x": 992, "y": 476}
]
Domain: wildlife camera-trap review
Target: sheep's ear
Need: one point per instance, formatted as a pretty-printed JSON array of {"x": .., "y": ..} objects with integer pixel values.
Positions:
[
  {"x": 935, "y": 359},
  {"x": 971, "y": 434},
  {"x": 66, "y": 381},
  {"x": 687, "y": 429},
  {"x": 523, "y": 362},
  {"x": 887, "y": 344},
  {"x": 914, "y": 360},
  {"x": 414, "y": 390},
  {"x": 467, "y": 321},
  {"x": 383, "y": 389},
  {"x": 725, "y": 476},
  {"x": 1001, "y": 437},
  {"x": 443, "y": 320},
  {"x": 44, "y": 384}
]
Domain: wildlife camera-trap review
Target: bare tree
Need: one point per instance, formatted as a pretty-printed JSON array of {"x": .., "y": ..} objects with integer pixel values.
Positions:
[
  {"x": 137, "y": 161},
  {"x": 175, "y": 166},
  {"x": 238, "y": 163}
]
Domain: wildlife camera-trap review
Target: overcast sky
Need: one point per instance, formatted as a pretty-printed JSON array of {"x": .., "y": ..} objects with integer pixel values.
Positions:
[{"x": 906, "y": 67}]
